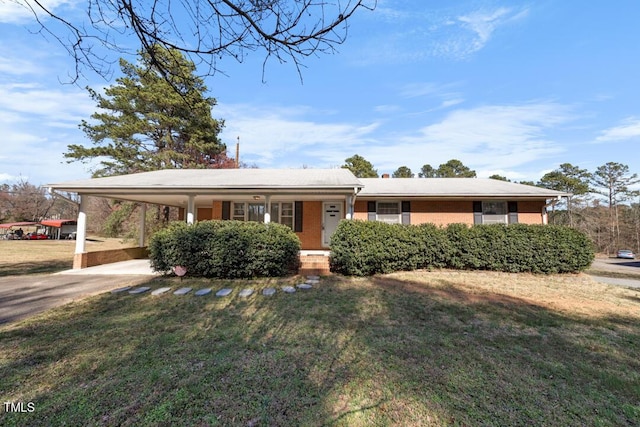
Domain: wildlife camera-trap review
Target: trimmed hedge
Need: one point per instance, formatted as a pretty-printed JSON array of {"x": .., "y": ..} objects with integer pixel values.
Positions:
[
  {"x": 226, "y": 249},
  {"x": 362, "y": 248}
]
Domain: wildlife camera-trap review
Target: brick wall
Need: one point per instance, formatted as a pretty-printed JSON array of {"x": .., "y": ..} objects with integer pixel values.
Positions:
[
  {"x": 530, "y": 212},
  {"x": 441, "y": 212},
  {"x": 90, "y": 259},
  {"x": 311, "y": 235},
  {"x": 455, "y": 211}
]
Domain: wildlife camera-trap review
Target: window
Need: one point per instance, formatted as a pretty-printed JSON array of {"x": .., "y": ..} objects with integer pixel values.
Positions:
[
  {"x": 281, "y": 212},
  {"x": 388, "y": 212},
  {"x": 494, "y": 212},
  {"x": 256, "y": 212},
  {"x": 238, "y": 211}
]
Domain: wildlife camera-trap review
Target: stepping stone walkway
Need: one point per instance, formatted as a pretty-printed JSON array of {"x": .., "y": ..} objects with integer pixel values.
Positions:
[
  {"x": 245, "y": 293},
  {"x": 224, "y": 292},
  {"x": 268, "y": 292},
  {"x": 311, "y": 280}
]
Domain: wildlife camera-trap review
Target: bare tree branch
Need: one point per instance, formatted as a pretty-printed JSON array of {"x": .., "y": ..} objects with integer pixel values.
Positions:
[{"x": 203, "y": 30}]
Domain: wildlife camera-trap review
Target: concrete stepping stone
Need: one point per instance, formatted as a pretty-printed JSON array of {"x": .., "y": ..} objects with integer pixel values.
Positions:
[
  {"x": 312, "y": 278},
  {"x": 268, "y": 292},
  {"x": 224, "y": 292},
  {"x": 117, "y": 291},
  {"x": 313, "y": 281},
  {"x": 203, "y": 292},
  {"x": 304, "y": 286},
  {"x": 160, "y": 291},
  {"x": 141, "y": 289},
  {"x": 245, "y": 293},
  {"x": 182, "y": 291},
  {"x": 288, "y": 289}
]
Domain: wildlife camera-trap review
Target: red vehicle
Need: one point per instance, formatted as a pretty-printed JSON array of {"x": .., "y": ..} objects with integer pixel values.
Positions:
[{"x": 36, "y": 236}]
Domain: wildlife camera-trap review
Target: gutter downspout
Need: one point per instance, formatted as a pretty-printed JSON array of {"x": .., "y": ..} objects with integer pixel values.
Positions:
[{"x": 545, "y": 216}]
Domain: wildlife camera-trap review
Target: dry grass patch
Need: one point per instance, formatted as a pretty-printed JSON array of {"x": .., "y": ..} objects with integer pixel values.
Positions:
[{"x": 18, "y": 257}]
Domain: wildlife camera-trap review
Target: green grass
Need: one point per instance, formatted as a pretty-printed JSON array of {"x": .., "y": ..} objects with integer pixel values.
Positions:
[{"x": 440, "y": 348}]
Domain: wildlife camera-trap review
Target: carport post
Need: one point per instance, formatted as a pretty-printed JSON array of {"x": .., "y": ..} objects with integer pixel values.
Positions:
[
  {"x": 81, "y": 232},
  {"x": 143, "y": 230}
]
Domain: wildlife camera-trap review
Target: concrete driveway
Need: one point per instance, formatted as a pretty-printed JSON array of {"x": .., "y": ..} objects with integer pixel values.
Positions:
[{"x": 24, "y": 296}]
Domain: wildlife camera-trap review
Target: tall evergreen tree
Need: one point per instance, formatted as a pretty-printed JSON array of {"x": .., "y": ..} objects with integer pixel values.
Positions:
[
  {"x": 613, "y": 181},
  {"x": 454, "y": 169},
  {"x": 403, "y": 172},
  {"x": 569, "y": 179},
  {"x": 360, "y": 167},
  {"x": 152, "y": 119},
  {"x": 427, "y": 171}
]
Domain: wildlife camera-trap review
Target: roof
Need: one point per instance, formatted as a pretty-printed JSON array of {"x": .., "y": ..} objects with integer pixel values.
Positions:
[
  {"x": 174, "y": 186},
  {"x": 188, "y": 179},
  {"x": 58, "y": 222},
  {"x": 17, "y": 224},
  {"x": 452, "y": 188}
]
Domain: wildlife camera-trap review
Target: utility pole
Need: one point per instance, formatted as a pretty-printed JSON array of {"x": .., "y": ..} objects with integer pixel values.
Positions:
[{"x": 238, "y": 153}]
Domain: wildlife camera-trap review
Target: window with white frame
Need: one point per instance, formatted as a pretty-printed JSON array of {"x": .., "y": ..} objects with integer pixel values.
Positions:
[
  {"x": 389, "y": 212},
  {"x": 281, "y": 212}
]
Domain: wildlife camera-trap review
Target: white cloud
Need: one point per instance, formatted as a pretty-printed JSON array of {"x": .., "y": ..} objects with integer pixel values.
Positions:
[
  {"x": 20, "y": 11},
  {"x": 490, "y": 139},
  {"x": 271, "y": 136},
  {"x": 487, "y": 138},
  {"x": 629, "y": 129},
  {"x": 471, "y": 32}
]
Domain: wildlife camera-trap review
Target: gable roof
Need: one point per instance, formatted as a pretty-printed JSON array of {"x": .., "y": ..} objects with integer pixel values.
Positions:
[{"x": 452, "y": 188}]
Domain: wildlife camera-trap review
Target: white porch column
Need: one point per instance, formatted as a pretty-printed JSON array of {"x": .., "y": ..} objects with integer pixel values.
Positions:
[
  {"x": 81, "y": 231},
  {"x": 191, "y": 208},
  {"x": 267, "y": 209},
  {"x": 143, "y": 225}
]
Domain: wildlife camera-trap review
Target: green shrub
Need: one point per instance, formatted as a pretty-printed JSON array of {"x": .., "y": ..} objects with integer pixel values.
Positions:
[
  {"x": 226, "y": 249},
  {"x": 363, "y": 248}
]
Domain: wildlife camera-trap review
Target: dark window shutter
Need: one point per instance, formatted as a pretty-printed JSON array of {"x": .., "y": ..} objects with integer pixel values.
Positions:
[
  {"x": 226, "y": 210},
  {"x": 406, "y": 212},
  {"x": 477, "y": 212},
  {"x": 513, "y": 212},
  {"x": 371, "y": 211},
  {"x": 297, "y": 224}
]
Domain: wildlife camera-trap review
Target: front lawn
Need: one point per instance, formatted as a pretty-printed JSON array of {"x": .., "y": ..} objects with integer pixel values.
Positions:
[{"x": 423, "y": 348}]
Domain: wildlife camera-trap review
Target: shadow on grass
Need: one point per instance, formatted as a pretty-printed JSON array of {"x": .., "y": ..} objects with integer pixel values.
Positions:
[
  {"x": 352, "y": 352},
  {"x": 40, "y": 267}
]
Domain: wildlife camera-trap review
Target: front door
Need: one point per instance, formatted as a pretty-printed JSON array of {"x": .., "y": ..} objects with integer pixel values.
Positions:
[{"x": 331, "y": 217}]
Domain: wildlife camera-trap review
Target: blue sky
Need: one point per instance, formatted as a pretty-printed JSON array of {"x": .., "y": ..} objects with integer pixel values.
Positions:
[{"x": 508, "y": 87}]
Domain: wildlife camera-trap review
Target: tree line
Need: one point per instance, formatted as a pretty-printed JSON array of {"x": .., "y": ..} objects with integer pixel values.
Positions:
[{"x": 603, "y": 203}]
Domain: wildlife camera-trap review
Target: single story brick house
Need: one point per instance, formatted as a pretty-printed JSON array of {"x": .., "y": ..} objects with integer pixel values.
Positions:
[{"x": 313, "y": 201}]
